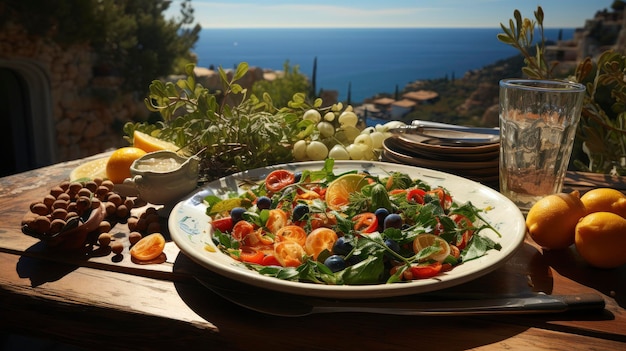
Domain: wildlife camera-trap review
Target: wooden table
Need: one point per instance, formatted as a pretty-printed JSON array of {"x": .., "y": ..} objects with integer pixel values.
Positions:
[{"x": 108, "y": 302}]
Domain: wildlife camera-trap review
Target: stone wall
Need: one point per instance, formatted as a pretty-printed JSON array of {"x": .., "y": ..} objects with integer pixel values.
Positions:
[{"x": 85, "y": 122}]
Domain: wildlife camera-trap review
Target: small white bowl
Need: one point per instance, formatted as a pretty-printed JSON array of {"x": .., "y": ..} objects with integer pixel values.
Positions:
[{"x": 164, "y": 177}]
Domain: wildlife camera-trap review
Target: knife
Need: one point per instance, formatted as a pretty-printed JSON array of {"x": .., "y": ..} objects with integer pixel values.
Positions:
[{"x": 287, "y": 305}]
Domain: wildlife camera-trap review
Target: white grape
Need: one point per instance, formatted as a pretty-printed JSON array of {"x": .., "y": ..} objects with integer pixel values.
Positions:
[
  {"x": 368, "y": 130},
  {"x": 329, "y": 116},
  {"x": 350, "y": 133},
  {"x": 326, "y": 129},
  {"x": 377, "y": 139},
  {"x": 348, "y": 119},
  {"x": 358, "y": 151},
  {"x": 339, "y": 152},
  {"x": 299, "y": 150},
  {"x": 363, "y": 139},
  {"x": 312, "y": 115},
  {"x": 316, "y": 150}
]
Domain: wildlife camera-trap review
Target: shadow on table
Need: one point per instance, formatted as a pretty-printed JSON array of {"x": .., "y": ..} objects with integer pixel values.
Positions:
[
  {"x": 610, "y": 282},
  {"x": 391, "y": 332}
]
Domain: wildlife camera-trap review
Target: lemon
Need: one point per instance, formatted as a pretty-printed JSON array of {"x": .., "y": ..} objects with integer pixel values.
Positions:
[
  {"x": 423, "y": 241},
  {"x": 339, "y": 190},
  {"x": 149, "y": 143},
  {"x": 118, "y": 165},
  {"x": 605, "y": 200},
  {"x": 551, "y": 221},
  {"x": 90, "y": 170},
  {"x": 600, "y": 239}
]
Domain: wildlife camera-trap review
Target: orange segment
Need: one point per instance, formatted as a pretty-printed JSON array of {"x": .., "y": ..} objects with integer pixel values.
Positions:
[
  {"x": 423, "y": 241},
  {"x": 148, "y": 248},
  {"x": 149, "y": 143},
  {"x": 90, "y": 170},
  {"x": 118, "y": 165},
  {"x": 338, "y": 191}
]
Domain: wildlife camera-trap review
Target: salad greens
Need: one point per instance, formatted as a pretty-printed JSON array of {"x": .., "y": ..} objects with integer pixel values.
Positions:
[{"x": 376, "y": 236}]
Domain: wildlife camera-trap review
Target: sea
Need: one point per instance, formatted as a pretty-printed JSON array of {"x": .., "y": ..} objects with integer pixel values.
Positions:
[{"x": 360, "y": 60}]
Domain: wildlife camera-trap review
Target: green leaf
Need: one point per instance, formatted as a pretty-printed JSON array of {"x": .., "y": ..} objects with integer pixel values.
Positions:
[{"x": 242, "y": 69}]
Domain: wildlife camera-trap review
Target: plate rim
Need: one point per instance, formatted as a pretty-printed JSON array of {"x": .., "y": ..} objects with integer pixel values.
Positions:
[{"x": 234, "y": 271}]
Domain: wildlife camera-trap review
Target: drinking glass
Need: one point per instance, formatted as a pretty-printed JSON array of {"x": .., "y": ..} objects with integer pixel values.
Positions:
[{"x": 538, "y": 120}]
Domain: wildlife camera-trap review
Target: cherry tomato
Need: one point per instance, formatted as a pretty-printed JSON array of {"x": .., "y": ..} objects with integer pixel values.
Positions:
[
  {"x": 251, "y": 255},
  {"x": 425, "y": 271},
  {"x": 242, "y": 229},
  {"x": 366, "y": 222},
  {"x": 416, "y": 195},
  {"x": 291, "y": 233},
  {"x": 224, "y": 224},
  {"x": 444, "y": 197},
  {"x": 320, "y": 239},
  {"x": 463, "y": 223},
  {"x": 289, "y": 253},
  {"x": 276, "y": 220},
  {"x": 278, "y": 179}
]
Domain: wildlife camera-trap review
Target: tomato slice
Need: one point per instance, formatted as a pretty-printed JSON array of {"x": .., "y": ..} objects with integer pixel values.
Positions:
[
  {"x": 224, "y": 224},
  {"x": 426, "y": 271},
  {"x": 241, "y": 229},
  {"x": 148, "y": 248},
  {"x": 291, "y": 233},
  {"x": 320, "y": 239},
  {"x": 319, "y": 220},
  {"x": 270, "y": 260},
  {"x": 366, "y": 222},
  {"x": 289, "y": 253},
  {"x": 257, "y": 238},
  {"x": 444, "y": 197},
  {"x": 463, "y": 222},
  {"x": 278, "y": 179},
  {"x": 277, "y": 219},
  {"x": 251, "y": 255},
  {"x": 416, "y": 195}
]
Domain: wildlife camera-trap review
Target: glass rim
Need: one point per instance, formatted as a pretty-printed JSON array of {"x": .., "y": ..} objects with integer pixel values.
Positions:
[{"x": 542, "y": 84}]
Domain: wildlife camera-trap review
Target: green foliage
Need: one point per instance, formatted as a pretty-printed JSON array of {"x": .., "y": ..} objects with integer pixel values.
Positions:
[
  {"x": 283, "y": 87},
  {"x": 131, "y": 37},
  {"x": 603, "y": 121},
  {"x": 520, "y": 35},
  {"x": 602, "y": 128},
  {"x": 228, "y": 139}
]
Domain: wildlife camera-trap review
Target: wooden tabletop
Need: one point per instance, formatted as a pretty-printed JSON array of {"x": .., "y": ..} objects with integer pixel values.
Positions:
[{"x": 106, "y": 301}]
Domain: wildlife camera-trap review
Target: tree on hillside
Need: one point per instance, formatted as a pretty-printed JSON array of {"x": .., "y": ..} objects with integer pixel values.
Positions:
[
  {"x": 283, "y": 87},
  {"x": 132, "y": 38}
]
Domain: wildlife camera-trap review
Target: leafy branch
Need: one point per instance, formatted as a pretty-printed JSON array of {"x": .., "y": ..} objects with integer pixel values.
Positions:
[
  {"x": 229, "y": 130},
  {"x": 520, "y": 35}
]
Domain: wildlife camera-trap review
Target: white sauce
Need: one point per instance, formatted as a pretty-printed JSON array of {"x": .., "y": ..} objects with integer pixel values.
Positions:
[{"x": 160, "y": 164}]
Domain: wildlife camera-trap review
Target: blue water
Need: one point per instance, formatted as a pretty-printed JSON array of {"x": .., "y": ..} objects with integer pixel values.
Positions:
[{"x": 371, "y": 60}]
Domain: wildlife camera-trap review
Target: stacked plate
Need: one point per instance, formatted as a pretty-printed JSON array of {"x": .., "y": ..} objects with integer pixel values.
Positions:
[{"x": 476, "y": 161}]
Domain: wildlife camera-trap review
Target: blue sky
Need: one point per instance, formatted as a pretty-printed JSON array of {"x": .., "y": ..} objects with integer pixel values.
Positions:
[{"x": 386, "y": 14}]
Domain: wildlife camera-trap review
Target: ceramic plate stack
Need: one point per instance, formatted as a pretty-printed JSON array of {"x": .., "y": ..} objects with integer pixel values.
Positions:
[{"x": 476, "y": 162}]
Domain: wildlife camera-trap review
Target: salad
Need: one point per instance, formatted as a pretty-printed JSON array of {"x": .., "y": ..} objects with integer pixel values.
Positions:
[{"x": 352, "y": 228}]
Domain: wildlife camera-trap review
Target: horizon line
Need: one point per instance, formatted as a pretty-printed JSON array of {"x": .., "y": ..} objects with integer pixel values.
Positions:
[{"x": 402, "y": 27}]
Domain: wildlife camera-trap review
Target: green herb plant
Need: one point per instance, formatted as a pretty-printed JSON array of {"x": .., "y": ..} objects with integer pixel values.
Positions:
[
  {"x": 602, "y": 127},
  {"x": 230, "y": 130}
]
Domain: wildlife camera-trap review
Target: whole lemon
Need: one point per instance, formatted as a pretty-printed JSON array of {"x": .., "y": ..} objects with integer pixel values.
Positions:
[
  {"x": 605, "y": 200},
  {"x": 118, "y": 165},
  {"x": 551, "y": 221},
  {"x": 600, "y": 238}
]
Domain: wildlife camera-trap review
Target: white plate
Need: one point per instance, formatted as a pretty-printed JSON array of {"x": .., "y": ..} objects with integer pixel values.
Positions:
[{"x": 190, "y": 230}]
